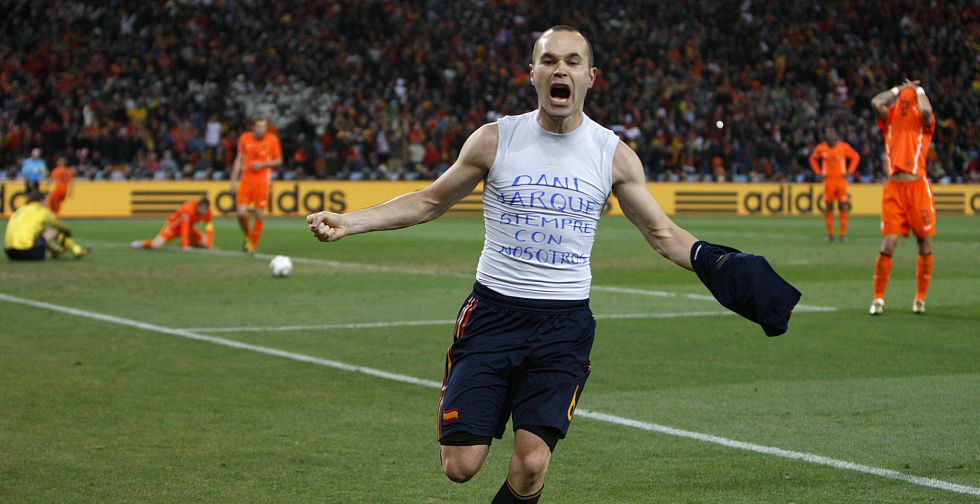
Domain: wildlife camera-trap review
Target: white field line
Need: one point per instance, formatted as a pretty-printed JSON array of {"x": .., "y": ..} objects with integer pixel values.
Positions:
[
  {"x": 416, "y": 323},
  {"x": 378, "y": 268},
  {"x": 593, "y": 415},
  {"x": 321, "y": 327},
  {"x": 183, "y": 333}
]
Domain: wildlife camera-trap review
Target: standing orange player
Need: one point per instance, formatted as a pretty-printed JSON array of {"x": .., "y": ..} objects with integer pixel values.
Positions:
[
  {"x": 835, "y": 160},
  {"x": 907, "y": 124},
  {"x": 258, "y": 152},
  {"x": 181, "y": 223},
  {"x": 62, "y": 177}
]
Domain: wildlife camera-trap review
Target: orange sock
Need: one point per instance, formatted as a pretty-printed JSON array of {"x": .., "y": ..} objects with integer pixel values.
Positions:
[
  {"x": 883, "y": 269},
  {"x": 829, "y": 217},
  {"x": 843, "y": 223},
  {"x": 923, "y": 274},
  {"x": 148, "y": 243},
  {"x": 256, "y": 232}
]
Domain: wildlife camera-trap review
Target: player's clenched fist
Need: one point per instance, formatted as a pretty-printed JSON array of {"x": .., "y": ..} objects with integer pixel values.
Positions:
[{"x": 327, "y": 226}]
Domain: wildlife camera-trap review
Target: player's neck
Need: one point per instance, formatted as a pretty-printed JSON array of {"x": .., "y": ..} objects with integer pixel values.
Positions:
[{"x": 560, "y": 125}]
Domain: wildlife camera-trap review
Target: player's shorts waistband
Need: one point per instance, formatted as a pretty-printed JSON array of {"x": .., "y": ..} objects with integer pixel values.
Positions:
[
  {"x": 903, "y": 180},
  {"x": 483, "y": 292}
]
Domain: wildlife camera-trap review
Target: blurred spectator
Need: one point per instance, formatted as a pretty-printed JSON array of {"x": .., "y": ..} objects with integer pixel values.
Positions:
[{"x": 384, "y": 89}]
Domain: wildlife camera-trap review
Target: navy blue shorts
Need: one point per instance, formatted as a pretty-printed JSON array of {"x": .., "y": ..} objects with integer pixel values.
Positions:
[{"x": 513, "y": 357}]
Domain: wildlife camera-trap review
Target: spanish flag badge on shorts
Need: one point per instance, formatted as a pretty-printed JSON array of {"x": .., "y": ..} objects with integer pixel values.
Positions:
[{"x": 450, "y": 415}]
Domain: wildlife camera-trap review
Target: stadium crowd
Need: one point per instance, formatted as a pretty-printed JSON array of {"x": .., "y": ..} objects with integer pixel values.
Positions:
[{"x": 702, "y": 90}]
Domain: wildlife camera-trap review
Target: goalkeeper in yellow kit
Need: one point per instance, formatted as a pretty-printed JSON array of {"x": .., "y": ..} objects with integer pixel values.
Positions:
[{"x": 33, "y": 228}]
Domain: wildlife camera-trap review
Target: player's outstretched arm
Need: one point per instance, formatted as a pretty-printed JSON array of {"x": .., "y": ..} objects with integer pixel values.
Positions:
[
  {"x": 629, "y": 186},
  {"x": 475, "y": 159}
]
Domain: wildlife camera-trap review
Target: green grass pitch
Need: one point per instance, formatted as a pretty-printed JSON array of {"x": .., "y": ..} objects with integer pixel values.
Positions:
[{"x": 98, "y": 411}]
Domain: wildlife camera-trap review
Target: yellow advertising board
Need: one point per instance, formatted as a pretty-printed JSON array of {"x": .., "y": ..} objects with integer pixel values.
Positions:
[{"x": 155, "y": 198}]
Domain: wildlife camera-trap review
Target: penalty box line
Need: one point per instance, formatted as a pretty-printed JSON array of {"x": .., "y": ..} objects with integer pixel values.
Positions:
[{"x": 593, "y": 415}]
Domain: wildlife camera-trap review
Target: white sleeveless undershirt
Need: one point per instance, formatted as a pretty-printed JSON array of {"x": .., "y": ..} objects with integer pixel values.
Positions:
[{"x": 541, "y": 205}]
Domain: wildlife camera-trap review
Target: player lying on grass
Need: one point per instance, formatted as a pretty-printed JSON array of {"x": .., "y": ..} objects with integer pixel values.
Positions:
[
  {"x": 522, "y": 339},
  {"x": 181, "y": 223},
  {"x": 33, "y": 228}
]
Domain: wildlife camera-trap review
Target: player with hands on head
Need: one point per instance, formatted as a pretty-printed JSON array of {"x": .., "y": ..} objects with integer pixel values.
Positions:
[{"x": 907, "y": 123}]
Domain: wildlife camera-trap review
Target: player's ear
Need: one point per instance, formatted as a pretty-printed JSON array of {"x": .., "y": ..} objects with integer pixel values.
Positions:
[
  {"x": 593, "y": 73},
  {"x": 530, "y": 71}
]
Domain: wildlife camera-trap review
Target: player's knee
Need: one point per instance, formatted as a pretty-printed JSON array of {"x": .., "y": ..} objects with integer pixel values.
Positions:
[
  {"x": 925, "y": 246},
  {"x": 529, "y": 468},
  {"x": 459, "y": 469}
]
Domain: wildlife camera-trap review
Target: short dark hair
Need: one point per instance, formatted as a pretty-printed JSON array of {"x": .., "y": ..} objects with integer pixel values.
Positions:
[
  {"x": 36, "y": 196},
  {"x": 205, "y": 201},
  {"x": 568, "y": 28}
]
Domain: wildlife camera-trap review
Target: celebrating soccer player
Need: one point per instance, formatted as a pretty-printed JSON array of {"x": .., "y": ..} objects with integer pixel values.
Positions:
[
  {"x": 834, "y": 160},
  {"x": 907, "y": 122},
  {"x": 522, "y": 339},
  {"x": 181, "y": 223},
  {"x": 258, "y": 152}
]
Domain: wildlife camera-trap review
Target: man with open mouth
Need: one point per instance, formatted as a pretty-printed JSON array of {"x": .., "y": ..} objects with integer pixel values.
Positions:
[{"x": 522, "y": 338}]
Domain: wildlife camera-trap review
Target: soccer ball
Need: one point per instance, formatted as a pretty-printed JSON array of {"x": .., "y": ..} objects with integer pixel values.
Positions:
[{"x": 281, "y": 266}]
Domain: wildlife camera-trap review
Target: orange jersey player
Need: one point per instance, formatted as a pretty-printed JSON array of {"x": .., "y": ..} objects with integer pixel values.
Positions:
[
  {"x": 258, "y": 153},
  {"x": 834, "y": 160},
  {"x": 181, "y": 223},
  {"x": 907, "y": 123},
  {"x": 61, "y": 177}
]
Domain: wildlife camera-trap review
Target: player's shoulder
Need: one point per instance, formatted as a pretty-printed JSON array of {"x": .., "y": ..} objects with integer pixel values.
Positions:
[
  {"x": 485, "y": 137},
  {"x": 246, "y": 137},
  {"x": 488, "y": 131},
  {"x": 626, "y": 164},
  {"x": 480, "y": 148}
]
